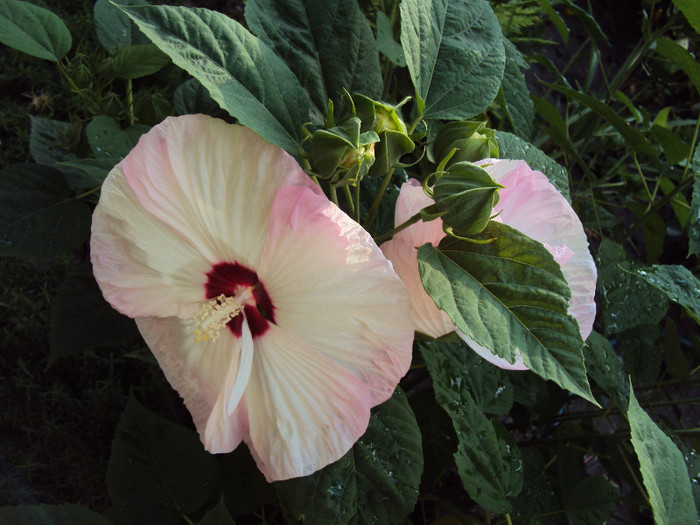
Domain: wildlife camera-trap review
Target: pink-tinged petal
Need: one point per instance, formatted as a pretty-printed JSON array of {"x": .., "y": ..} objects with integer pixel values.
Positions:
[
  {"x": 333, "y": 289},
  {"x": 143, "y": 267},
  {"x": 427, "y": 318},
  {"x": 484, "y": 352},
  {"x": 305, "y": 410},
  {"x": 205, "y": 374},
  {"x": 212, "y": 182},
  {"x": 531, "y": 204},
  {"x": 411, "y": 200}
]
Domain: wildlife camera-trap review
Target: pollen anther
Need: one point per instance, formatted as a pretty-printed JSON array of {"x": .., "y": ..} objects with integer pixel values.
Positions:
[{"x": 214, "y": 315}]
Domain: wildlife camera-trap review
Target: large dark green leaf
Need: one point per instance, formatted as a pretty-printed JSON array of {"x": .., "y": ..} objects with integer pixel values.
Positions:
[
  {"x": 82, "y": 320},
  {"x": 694, "y": 222},
  {"x": 605, "y": 368},
  {"x": 488, "y": 461},
  {"x": 328, "y": 44},
  {"x": 376, "y": 482},
  {"x": 518, "y": 104},
  {"x": 38, "y": 215},
  {"x": 592, "y": 501},
  {"x": 513, "y": 147},
  {"x": 506, "y": 295},
  {"x": 66, "y": 514},
  {"x": 158, "y": 470},
  {"x": 241, "y": 73},
  {"x": 675, "y": 282},
  {"x": 681, "y": 57},
  {"x": 192, "y": 97},
  {"x": 33, "y": 30},
  {"x": 627, "y": 300},
  {"x": 114, "y": 28},
  {"x": 454, "y": 52},
  {"x": 663, "y": 469},
  {"x": 138, "y": 61},
  {"x": 219, "y": 515}
]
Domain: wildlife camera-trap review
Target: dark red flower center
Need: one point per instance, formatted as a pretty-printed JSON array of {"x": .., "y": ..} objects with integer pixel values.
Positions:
[{"x": 230, "y": 279}]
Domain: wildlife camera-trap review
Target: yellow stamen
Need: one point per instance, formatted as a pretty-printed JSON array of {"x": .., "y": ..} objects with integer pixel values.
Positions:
[{"x": 214, "y": 315}]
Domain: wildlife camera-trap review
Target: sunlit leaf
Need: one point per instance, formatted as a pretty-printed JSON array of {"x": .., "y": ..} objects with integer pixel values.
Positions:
[
  {"x": 454, "y": 52},
  {"x": 312, "y": 36},
  {"x": 33, "y": 30},
  {"x": 241, "y": 73},
  {"x": 663, "y": 469},
  {"x": 509, "y": 294}
]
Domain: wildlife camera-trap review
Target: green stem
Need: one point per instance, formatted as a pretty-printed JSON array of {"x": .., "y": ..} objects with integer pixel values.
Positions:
[
  {"x": 91, "y": 105},
  {"x": 88, "y": 193},
  {"x": 357, "y": 202},
  {"x": 388, "y": 235},
  {"x": 369, "y": 218},
  {"x": 334, "y": 196},
  {"x": 130, "y": 101},
  {"x": 349, "y": 201}
]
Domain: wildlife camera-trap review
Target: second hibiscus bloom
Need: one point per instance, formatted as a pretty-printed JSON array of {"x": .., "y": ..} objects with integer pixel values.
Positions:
[{"x": 529, "y": 203}]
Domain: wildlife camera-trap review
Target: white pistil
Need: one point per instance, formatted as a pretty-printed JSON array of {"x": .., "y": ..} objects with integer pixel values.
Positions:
[{"x": 214, "y": 315}]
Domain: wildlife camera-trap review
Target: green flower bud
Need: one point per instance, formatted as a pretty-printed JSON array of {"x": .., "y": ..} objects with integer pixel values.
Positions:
[
  {"x": 342, "y": 154},
  {"x": 472, "y": 140},
  {"x": 385, "y": 120}
]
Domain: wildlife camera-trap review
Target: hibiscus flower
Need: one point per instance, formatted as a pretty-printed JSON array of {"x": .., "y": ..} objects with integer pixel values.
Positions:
[
  {"x": 529, "y": 203},
  {"x": 272, "y": 313}
]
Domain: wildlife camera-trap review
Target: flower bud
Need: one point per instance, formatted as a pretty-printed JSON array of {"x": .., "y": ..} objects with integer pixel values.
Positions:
[{"x": 472, "y": 140}]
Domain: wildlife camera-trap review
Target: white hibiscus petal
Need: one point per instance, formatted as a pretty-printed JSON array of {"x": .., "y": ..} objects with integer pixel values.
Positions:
[
  {"x": 143, "y": 267},
  {"x": 322, "y": 271},
  {"x": 205, "y": 374},
  {"x": 305, "y": 410}
]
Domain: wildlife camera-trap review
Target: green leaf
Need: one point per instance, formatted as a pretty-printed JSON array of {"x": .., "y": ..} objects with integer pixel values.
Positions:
[
  {"x": 51, "y": 142},
  {"x": 676, "y": 362},
  {"x": 328, "y": 44},
  {"x": 489, "y": 386},
  {"x": 454, "y": 52},
  {"x": 33, "y": 30},
  {"x": 557, "y": 20},
  {"x": 663, "y": 469},
  {"x": 138, "y": 61},
  {"x": 375, "y": 482},
  {"x": 634, "y": 138},
  {"x": 675, "y": 150},
  {"x": 95, "y": 171},
  {"x": 158, "y": 470},
  {"x": 192, "y": 97},
  {"x": 681, "y": 57},
  {"x": 66, "y": 514},
  {"x": 675, "y": 282},
  {"x": 385, "y": 41},
  {"x": 627, "y": 300},
  {"x": 241, "y": 73},
  {"x": 592, "y": 501},
  {"x": 244, "y": 487},
  {"x": 466, "y": 194},
  {"x": 513, "y": 147},
  {"x": 518, "y": 104},
  {"x": 219, "y": 515},
  {"x": 114, "y": 28},
  {"x": 691, "y": 10},
  {"x": 38, "y": 216},
  {"x": 588, "y": 21},
  {"x": 605, "y": 369},
  {"x": 488, "y": 461},
  {"x": 508, "y": 295},
  {"x": 81, "y": 320},
  {"x": 694, "y": 222},
  {"x": 107, "y": 139}
]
